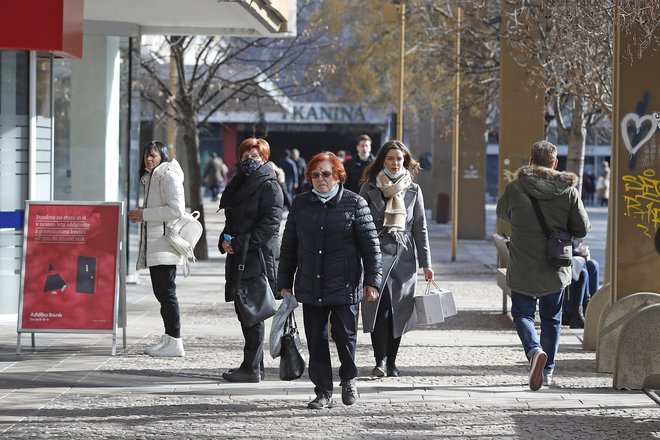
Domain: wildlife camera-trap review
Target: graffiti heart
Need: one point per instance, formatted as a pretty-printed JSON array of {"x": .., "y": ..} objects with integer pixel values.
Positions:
[{"x": 650, "y": 120}]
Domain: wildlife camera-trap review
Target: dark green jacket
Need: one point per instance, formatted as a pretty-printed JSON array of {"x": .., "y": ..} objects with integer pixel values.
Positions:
[{"x": 529, "y": 270}]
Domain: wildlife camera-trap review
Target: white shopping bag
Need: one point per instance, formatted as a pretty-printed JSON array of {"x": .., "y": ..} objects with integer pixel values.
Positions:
[
  {"x": 434, "y": 305},
  {"x": 279, "y": 321}
]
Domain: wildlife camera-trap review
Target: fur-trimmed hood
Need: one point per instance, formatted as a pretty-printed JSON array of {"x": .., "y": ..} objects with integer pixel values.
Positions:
[{"x": 545, "y": 183}]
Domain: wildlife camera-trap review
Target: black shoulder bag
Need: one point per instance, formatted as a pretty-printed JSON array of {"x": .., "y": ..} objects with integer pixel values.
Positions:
[
  {"x": 558, "y": 244},
  {"x": 255, "y": 298}
]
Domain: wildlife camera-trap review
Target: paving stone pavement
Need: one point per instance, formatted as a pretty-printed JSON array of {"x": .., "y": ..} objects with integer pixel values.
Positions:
[{"x": 463, "y": 379}]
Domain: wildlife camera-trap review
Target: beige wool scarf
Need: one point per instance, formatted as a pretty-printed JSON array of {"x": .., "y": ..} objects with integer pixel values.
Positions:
[{"x": 395, "y": 208}]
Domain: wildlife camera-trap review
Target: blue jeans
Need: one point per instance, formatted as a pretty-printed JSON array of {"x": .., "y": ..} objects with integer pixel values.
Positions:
[
  {"x": 523, "y": 310},
  {"x": 582, "y": 289}
]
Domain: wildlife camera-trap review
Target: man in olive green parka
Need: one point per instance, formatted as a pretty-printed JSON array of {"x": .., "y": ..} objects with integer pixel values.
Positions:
[{"x": 530, "y": 275}]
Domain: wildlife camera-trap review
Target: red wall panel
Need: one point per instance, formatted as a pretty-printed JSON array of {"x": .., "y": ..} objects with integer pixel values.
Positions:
[{"x": 51, "y": 25}]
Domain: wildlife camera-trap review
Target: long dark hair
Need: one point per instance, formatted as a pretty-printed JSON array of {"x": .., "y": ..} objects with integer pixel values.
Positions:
[
  {"x": 147, "y": 149},
  {"x": 377, "y": 165}
]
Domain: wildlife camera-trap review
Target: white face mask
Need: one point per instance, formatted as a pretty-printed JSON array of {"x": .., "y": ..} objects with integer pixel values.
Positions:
[{"x": 364, "y": 156}]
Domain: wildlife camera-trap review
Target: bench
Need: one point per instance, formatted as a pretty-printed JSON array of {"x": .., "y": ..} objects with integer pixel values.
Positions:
[{"x": 501, "y": 244}]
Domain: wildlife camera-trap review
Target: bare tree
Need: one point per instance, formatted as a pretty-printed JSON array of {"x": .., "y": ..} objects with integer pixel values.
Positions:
[
  {"x": 214, "y": 71},
  {"x": 572, "y": 43}
]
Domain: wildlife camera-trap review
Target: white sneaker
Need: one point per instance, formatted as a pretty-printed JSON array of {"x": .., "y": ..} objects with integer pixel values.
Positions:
[
  {"x": 172, "y": 348},
  {"x": 536, "y": 366},
  {"x": 549, "y": 380},
  {"x": 163, "y": 340}
]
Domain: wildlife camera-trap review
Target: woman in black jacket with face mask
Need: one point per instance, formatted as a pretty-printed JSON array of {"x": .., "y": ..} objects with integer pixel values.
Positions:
[
  {"x": 328, "y": 238},
  {"x": 253, "y": 209}
]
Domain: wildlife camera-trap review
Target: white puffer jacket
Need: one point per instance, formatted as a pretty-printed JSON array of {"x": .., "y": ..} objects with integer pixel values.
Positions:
[{"x": 164, "y": 203}]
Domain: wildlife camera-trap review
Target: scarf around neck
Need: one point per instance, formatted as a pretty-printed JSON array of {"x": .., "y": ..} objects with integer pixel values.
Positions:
[{"x": 395, "y": 208}]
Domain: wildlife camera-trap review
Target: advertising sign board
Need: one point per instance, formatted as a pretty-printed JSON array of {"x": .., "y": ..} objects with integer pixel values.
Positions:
[{"x": 71, "y": 266}]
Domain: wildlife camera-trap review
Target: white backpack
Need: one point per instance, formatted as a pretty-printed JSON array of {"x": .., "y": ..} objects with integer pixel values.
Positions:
[{"x": 183, "y": 236}]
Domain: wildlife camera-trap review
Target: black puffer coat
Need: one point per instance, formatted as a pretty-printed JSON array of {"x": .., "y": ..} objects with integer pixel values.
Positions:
[
  {"x": 253, "y": 211},
  {"x": 325, "y": 246}
]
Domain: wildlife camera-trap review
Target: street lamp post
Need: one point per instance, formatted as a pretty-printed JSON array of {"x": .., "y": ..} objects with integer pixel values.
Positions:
[
  {"x": 455, "y": 152},
  {"x": 402, "y": 41}
]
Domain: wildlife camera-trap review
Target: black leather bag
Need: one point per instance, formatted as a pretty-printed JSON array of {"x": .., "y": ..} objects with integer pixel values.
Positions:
[
  {"x": 558, "y": 244},
  {"x": 292, "y": 364},
  {"x": 256, "y": 301},
  {"x": 254, "y": 297}
]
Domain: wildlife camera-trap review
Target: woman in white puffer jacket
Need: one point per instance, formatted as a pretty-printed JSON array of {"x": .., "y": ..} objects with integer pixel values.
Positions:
[{"x": 164, "y": 204}]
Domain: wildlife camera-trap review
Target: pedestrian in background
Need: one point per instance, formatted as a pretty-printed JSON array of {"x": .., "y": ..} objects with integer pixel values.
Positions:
[
  {"x": 164, "y": 204},
  {"x": 215, "y": 175},
  {"x": 530, "y": 275},
  {"x": 253, "y": 210},
  {"x": 603, "y": 184},
  {"x": 397, "y": 207},
  {"x": 328, "y": 238},
  {"x": 302, "y": 167},
  {"x": 290, "y": 172},
  {"x": 356, "y": 165}
]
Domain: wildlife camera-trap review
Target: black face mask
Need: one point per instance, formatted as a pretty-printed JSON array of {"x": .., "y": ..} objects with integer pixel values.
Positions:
[{"x": 248, "y": 165}]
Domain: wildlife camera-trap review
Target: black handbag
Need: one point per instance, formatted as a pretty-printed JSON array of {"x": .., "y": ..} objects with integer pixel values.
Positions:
[
  {"x": 254, "y": 298},
  {"x": 558, "y": 244},
  {"x": 292, "y": 364}
]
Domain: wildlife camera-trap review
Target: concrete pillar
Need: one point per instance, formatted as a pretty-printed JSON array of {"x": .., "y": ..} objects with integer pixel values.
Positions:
[
  {"x": 521, "y": 117},
  {"x": 472, "y": 172},
  {"x": 635, "y": 171},
  {"x": 441, "y": 171},
  {"x": 95, "y": 82}
]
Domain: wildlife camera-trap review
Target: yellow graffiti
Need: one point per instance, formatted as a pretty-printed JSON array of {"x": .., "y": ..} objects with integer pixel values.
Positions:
[
  {"x": 642, "y": 201},
  {"x": 508, "y": 176}
]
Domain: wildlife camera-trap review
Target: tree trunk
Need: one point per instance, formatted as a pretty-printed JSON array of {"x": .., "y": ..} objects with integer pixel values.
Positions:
[
  {"x": 194, "y": 178},
  {"x": 577, "y": 137}
]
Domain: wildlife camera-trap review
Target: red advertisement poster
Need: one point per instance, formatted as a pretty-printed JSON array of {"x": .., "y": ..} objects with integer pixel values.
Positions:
[{"x": 70, "y": 266}]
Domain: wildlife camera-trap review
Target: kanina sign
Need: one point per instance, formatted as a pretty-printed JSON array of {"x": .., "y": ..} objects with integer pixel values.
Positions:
[
  {"x": 324, "y": 113},
  {"x": 307, "y": 113}
]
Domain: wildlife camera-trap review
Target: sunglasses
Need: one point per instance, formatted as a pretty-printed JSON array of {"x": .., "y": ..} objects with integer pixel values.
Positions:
[{"x": 316, "y": 174}]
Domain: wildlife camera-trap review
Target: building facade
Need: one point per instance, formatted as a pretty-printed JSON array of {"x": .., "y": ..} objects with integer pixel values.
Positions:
[{"x": 69, "y": 112}]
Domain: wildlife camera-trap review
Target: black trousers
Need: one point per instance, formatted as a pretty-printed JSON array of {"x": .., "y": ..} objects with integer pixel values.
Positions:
[
  {"x": 384, "y": 345},
  {"x": 342, "y": 319},
  {"x": 253, "y": 350},
  {"x": 162, "y": 281}
]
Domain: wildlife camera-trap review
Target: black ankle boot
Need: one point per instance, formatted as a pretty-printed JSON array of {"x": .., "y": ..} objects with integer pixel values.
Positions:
[
  {"x": 577, "y": 317},
  {"x": 379, "y": 369}
]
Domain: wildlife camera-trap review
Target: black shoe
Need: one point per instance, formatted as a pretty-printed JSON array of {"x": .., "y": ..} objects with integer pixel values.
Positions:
[
  {"x": 393, "y": 371},
  {"x": 577, "y": 318},
  {"x": 322, "y": 401},
  {"x": 379, "y": 369},
  {"x": 233, "y": 370},
  {"x": 239, "y": 375},
  {"x": 349, "y": 392}
]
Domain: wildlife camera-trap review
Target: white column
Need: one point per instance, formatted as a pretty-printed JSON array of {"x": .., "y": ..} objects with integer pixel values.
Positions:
[{"x": 94, "y": 122}]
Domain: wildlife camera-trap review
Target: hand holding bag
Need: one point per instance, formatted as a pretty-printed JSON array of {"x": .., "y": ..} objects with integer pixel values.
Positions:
[
  {"x": 255, "y": 298},
  {"x": 435, "y": 305},
  {"x": 292, "y": 364}
]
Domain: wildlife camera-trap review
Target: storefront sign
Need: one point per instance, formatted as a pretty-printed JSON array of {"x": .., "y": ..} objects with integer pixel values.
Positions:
[{"x": 70, "y": 276}]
